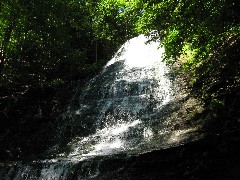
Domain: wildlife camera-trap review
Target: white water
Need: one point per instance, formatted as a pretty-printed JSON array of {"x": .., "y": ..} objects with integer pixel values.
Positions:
[
  {"x": 134, "y": 86},
  {"x": 120, "y": 107}
]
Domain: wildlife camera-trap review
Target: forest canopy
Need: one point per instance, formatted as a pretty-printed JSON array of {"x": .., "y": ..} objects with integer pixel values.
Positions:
[{"x": 48, "y": 43}]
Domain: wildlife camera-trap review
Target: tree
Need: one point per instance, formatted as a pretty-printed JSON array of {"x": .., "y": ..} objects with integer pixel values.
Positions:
[{"x": 204, "y": 38}]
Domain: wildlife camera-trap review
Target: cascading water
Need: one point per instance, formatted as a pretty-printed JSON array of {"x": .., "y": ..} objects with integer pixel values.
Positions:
[
  {"x": 121, "y": 109},
  {"x": 127, "y": 94}
]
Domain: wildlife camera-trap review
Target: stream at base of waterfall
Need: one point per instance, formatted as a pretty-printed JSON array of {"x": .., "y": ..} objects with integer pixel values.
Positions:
[{"x": 126, "y": 108}]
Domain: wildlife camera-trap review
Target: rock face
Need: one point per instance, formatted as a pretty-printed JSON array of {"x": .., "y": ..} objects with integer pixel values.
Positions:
[
  {"x": 213, "y": 157},
  {"x": 134, "y": 106}
]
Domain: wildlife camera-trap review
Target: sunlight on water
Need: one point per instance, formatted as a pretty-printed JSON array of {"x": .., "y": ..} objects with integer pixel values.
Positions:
[
  {"x": 134, "y": 86},
  {"x": 177, "y": 136},
  {"x": 106, "y": 141},
  {"x": 120, "y": 112},
  {"x": 139, "y": 53},
  {"x": 148, "y": 134}
]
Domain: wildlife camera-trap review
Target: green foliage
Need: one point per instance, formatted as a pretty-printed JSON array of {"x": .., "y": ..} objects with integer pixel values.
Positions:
[
  {"x": 42, "y": 46},
  {"x": 39, "y": 43},
  {"x": 114, "y": 21},
  {"x": 204, "y": 37}
]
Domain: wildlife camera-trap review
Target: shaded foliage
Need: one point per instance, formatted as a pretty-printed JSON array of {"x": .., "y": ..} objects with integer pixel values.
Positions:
[
  {"x": 42, "y": 46},
  {"x": 203, "y": 37}
]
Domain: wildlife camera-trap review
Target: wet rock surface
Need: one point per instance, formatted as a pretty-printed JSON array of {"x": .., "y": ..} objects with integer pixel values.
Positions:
[
  {"x": 175, "y": 141},
  {"x": 213, "y": 157}
]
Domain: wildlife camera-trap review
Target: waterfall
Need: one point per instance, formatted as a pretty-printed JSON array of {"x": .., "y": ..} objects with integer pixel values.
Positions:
[
  {"x": 121, "y": 112},
  {"x": 126, "y": 96}
]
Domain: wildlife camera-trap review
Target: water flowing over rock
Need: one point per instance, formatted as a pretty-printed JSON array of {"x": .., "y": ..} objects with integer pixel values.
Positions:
[
  {"x": 123, "y": 111},
  {"x": 124, "y": 98}
]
